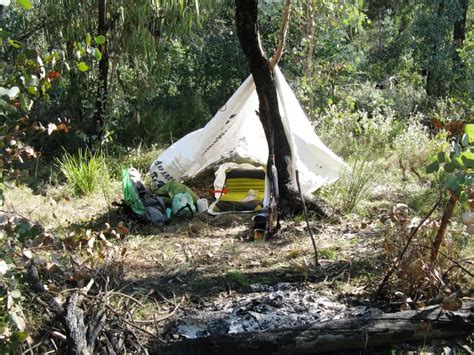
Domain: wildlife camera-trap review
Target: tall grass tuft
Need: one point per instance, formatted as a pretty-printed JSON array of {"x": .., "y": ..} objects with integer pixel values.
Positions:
[
  {"x": 85, "y": 171},
  {"x": 352, "y": 186}
]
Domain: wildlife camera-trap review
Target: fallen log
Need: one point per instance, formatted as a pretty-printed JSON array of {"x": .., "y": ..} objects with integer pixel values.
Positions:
[
  {"x": 336, "y": 335},
  {"x": 75, "y": 327}
]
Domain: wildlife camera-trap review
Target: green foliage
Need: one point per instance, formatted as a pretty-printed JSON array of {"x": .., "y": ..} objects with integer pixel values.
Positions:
[
  {"x": 457, "y": 165},
  {"x": 26, "y": 4},
  {"x": 414, "y": 144},
  {"x": 364, "y": 72},
  {"x": 13, "y": 327},
  {"x": 83, "y": 67},
  {"x": 353, "y": 186},
  {"x": 328, "y": 253},
  {"x": 85, "y": 172},
  {"x": 351, "y": 133}
]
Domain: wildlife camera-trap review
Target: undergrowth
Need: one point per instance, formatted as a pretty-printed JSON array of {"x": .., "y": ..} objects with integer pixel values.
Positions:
[
  {"x": 353, "y": 185},
  {"x": 85, "y": 171}
]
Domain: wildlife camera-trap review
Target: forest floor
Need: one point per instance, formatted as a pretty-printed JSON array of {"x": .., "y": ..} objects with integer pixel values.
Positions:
[{"x": 165, "y": 274}]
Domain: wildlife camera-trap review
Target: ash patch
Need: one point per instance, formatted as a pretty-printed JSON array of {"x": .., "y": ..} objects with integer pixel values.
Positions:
[{"x": 269, "y": 308}]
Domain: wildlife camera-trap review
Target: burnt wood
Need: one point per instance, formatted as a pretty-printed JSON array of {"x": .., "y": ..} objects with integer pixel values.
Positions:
[{"x": 363, "y": 333}]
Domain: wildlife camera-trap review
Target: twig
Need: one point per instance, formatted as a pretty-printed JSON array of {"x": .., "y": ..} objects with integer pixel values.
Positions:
[
  {"x": 399, "y": 258},
  {"x": 305, "y": 212},
  {"x": 456, "y": 263},
  {"x": 130, "y": 323},
  {"x": 95, "y": 327},
  {"x": 41, "y": 342},
  {"x": 127, "y": 296},
  {"x": 38, "y": 286},
  {"x": 139, "y": 342},
  {"x": 152, "y": 321},
  {"x": 59, "y": 335}
]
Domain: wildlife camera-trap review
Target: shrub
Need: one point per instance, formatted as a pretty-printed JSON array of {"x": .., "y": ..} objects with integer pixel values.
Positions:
[
  {"x": 84, "y": 172},
  {"x": 413, "y": 145},
  {"x": 402, "y": 97},
  {"x": 356, "y": 133},
  {"x": 352, "y": 186}
]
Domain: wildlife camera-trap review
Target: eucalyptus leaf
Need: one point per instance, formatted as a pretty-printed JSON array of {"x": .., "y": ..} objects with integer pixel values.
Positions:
[
  {"x": 14, "y": 44},
  {"x": 33, "y": 81},
  {"x": 448, "y": 167},
  {"x": 26, "y": 4},
  {"x": 18, "y": 320},
  {"x": 451, "y": 183},
  {"x": 98, "y": 54},
  {"x": 32, "y": 90},
  {"x": 469, "y": 130},
  {"x": 19, "y": 336},
  {"x": 441, "y": 157},
  {"x": 83, "y": 67},
  {"x": 433, "y": 167},
  {"x": 24, "y": 102},
  {"x": 88, "y": 39},
  {"x": 13, "y": 92},
  {"x": 468, "y": 162},
  {"x": 457, "y": 162},
  {"x": 3, "y": 267},
  {"x": 99, "y": 39}
]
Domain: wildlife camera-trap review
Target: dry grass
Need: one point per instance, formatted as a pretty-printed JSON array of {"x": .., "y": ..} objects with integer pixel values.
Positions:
[
  {"x": 209, "y": 257},
  {"x": 55, "y": 208}
]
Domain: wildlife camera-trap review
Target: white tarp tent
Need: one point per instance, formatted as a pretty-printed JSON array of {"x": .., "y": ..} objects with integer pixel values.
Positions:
[{"x": 235, "y": 133}]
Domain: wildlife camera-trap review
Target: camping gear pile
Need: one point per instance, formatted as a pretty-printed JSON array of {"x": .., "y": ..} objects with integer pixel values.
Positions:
[
  {"x": 231, "y": 140},
  {"x": 172, "y": 199}
]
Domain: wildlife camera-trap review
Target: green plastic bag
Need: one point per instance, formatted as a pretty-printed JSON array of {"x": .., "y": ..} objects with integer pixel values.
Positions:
[
  {"x": 183, "y": 204},
  {"x": 171, "y": 188},
  {"x": 130, "y": 194}
]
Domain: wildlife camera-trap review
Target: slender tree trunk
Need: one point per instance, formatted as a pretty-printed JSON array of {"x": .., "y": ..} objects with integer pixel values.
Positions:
[
  {"x": 74, "y": 97},
  {"x": 459, "y": 33},
  {"x": 448, "y": 212},
  {"x": 310, "y": 17},
  {"x": 103, "y": 70},
  {"x": 433, "y": 80},
  {"x": 281, "y": 39},
  {"x": 269, "y": 113}
]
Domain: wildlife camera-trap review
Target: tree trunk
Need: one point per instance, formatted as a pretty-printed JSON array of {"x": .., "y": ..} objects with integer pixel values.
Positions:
[
  {"x": 459, "y": 33},
  {"x": 448, "y": 212},
  {"x": 336, "y": 336},
  {"x": 74, "y": 94},
  {"x": 281, "y": 39},
  {"x": 103, "y": 71},
  {"x": 269, "y": 113},
  {"x": 433, "y": 85},
  {"x": 310, "y": 18}
]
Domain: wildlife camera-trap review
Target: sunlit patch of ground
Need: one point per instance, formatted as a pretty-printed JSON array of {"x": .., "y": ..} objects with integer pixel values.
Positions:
[{"x": 192, "y": 262}]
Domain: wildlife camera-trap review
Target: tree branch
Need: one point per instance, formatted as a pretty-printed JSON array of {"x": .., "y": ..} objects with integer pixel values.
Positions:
[{"x": 281, "y": 40}]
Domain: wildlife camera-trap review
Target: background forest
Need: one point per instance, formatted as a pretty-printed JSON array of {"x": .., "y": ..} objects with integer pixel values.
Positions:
[
  {"x": 125, "y": 74},
  {"x": 90, "y": 87}
]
